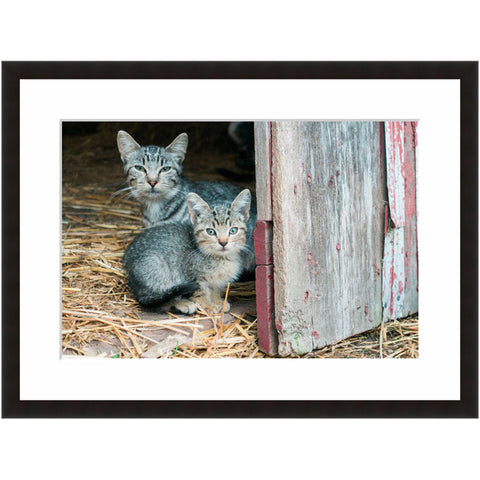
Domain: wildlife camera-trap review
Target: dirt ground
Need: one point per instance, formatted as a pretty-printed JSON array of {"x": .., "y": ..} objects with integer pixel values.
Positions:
[{"x": 100, "y": 315}]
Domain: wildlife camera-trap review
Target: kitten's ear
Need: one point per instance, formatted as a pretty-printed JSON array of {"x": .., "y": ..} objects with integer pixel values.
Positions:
[
  {"x": 126, "y": 144},
  {"x": 241, "y": 204},
  {"x": 197, "y": 207},
  {"x": 179, "y": 147}
]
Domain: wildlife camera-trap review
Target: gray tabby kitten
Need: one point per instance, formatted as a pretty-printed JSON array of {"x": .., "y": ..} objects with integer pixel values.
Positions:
[
  {"x": 176, "y": 265},
  {"x": 154, "y": 176}
]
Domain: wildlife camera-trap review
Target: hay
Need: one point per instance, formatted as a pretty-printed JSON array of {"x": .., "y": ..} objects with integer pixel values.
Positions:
[
  {"x": 394, "y": 339},
  {"x": 101, "y": 318}
]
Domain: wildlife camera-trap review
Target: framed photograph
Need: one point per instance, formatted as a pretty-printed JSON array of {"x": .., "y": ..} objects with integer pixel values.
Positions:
[{"x": 355, "y": 297}]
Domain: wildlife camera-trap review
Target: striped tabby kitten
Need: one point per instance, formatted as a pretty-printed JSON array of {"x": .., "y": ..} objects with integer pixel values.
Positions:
[
  {"x": 176, "y": 265},
  {"x": 154, "y": 177}
]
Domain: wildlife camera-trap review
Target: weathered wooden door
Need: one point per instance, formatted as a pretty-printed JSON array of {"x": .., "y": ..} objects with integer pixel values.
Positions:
[
  {"x": 323, "y": 217},
  {"x": 400, "y": 272}
]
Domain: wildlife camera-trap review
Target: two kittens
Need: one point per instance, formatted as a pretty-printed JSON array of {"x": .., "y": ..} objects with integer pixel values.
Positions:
[{"x": 199, "y": 235}]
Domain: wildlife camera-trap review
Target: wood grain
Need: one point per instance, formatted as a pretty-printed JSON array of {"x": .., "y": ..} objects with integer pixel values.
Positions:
[
  {"x": 328, "y": 216},
  {"x": 266, "y": 329},
  {"x": 400, "y": 275},
  {"x": 263, "y": 170},
  {"x": 267, "y": 335}
]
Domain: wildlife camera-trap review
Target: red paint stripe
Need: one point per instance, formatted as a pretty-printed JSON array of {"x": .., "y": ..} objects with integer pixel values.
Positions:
[
  {"x": 264, "y": 281},
  {"x": 266, "y": 331},
  {"x": 263, "y": 242}
]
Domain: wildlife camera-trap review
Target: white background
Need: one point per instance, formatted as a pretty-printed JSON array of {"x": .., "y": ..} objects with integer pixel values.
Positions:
[
  {"x": 435, "y": 375},
  {"x": 147, "y": 30}
]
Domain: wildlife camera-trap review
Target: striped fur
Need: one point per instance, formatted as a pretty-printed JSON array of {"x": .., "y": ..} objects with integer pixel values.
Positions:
[
  {"x": 184, "y": 267},
  {"x": 154, "y": 178}
]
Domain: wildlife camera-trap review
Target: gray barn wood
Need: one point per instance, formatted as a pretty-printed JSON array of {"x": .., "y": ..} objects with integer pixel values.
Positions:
[
  {"x": 263, "y": 170},
  {"x": 328, "y": 199},
  {"x": 400, "y": 272}
]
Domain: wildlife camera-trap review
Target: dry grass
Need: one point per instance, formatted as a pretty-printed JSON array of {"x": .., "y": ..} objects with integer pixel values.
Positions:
[
  {"x": 394, "y": 339},
  {"x": 100, "y": 316}
]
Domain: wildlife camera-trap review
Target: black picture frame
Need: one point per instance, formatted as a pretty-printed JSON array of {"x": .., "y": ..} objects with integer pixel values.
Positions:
[{"x": 13, "y": 72}]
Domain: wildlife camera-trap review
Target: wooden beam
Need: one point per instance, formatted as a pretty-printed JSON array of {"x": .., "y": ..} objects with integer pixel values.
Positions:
[
  {"x": 263, "y": 170},
  {"x": 329, "y": 196}
]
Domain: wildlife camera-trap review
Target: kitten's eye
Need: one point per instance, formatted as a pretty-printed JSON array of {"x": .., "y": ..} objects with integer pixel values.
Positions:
[
  {"x": 233, "y": 230},
  {"x": 210, "y": 231},
  {"x": 166, "y": 169},
  {"x": 139, "y": 168}
]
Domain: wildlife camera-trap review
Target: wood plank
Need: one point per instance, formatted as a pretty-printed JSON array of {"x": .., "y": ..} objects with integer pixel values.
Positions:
[
  {"x": 267, "y": 334},
  {"x": 263, "y": 242},
  {"x": 266, "y": 329},
  {"x": 264, "y": 282},
  {"x": 395, "y": 142},
  {"x": 400, "y": 273},
  {"x": 263, "y": 170},
  {"x": 393, "y": 274},
  {"x": 410, "y": 304},
  {"x": 328, "y": 215}
]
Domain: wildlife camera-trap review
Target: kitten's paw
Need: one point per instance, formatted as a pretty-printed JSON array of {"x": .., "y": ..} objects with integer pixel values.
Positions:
[{"x": 185, "y": 306}]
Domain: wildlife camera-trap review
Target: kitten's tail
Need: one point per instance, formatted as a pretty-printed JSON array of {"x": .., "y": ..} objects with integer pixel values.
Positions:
[{"x": 157, "y": 299}]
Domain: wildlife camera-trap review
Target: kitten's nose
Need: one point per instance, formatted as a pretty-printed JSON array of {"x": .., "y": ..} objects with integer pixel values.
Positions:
[
  {"x": 152, "y": 183},
  {"x": 222, "y": 242}
]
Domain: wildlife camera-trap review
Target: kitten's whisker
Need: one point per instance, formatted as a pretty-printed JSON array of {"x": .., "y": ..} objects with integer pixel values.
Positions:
[
  {"x": 129, "y": 187},
  {"x": 121, "y": 191}
]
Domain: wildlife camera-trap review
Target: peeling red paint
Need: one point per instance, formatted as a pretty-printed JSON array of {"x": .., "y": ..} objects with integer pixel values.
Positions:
[
  {"x": 306, "y": 296},
  {"x": 309, "y": 179},
  {"x": 315, "y": 335},
  {"x": 338, "y": 247},
  {"x": 400, "y": 276},
  {"x": 366, "y": 309},
  {"x": 263, "y": 242},
  {"x": 330, "y": 182},
  {"x": 295, "y": 189},
  {"x": 312, "y": 263},
  {"x": 267, "y": 336},
  {"x": 310, "y": 260},
  {"x": 338, "y": 172},
  {"x": 279, "y": 324},
  {"x": 392, "y": 281}
]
